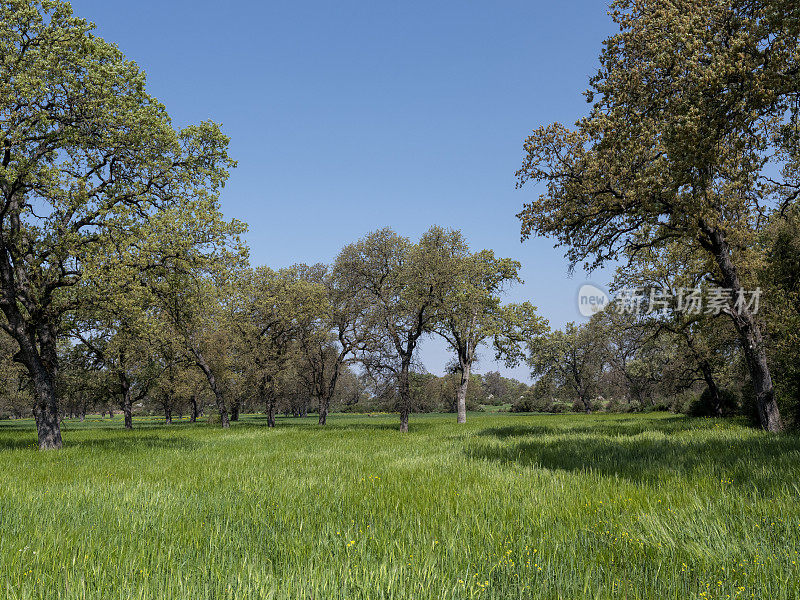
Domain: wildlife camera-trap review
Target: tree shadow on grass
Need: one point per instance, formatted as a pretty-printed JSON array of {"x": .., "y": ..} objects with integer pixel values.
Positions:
[
  {"x": 134, "y": 443},
  {"x": 17, "y": 443},
  {"x": 619, "y": 426},
  {"x": 763, "y": 464},
  {"x": 125, "y": 444},
  {"x": 333, "y": 425}
]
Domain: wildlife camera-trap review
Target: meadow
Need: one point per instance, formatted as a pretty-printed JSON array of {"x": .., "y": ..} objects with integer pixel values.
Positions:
[{"x": 508, "y": 506}]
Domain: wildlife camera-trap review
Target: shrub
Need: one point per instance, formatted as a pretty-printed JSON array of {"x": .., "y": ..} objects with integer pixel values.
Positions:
[
  {"x": 702, "y": 407},
  {"x": 579, "y": 407},
  {"x": 616, "y": 405},
  {"x": 533, "y": 400}
]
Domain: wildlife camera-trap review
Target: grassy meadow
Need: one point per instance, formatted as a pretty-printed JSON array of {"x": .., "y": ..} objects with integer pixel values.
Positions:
[{"x": 547, "y": 506}]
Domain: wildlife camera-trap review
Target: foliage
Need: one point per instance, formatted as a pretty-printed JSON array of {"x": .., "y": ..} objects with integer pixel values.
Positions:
[
  {"x": 91, "y": 170},
  {"x": 693, "y": 113},
  {"x": 703, "y": 406}
]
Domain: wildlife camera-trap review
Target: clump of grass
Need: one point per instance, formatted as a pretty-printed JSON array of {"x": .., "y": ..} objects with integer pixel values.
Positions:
[{"x": 568, "y": 506}]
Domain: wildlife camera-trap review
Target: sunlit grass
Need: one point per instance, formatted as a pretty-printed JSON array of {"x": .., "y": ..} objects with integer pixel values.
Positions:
[{"x": 566, "y": 506}]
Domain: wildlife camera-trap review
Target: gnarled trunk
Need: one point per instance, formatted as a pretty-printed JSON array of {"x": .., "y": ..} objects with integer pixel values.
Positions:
[
  {"x": 749, "y": 332},
  {"x": 42, "y": 367},
  {"x": 328, "y": 391},
  {"x": 713, "y": 389},
  {"x": 48, "y": 427},
  {"x": 212, "y": 383}
]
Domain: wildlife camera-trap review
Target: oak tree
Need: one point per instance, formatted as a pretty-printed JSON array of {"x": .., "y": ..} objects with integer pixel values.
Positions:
[
  {"x": 691, "y": 137},
  {"x": 87, "y": 157}
]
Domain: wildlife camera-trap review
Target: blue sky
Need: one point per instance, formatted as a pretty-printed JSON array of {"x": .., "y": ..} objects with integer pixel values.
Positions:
[{"x": 350, "y": 116}]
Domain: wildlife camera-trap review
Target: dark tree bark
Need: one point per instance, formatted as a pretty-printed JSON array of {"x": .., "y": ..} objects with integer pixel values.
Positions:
[
  {"x": 212, "y": 382},
  {"x": 749, "y": 332},
  {"x": 127, "y": 409},
  {"x": 46, "y": 413},
  {"x": 323, "y": 411},
  {"x": 127, "y": 401},
  {"x": 43, "y": 368},
  {"x": 713, "y": 389},
  {"x": 266, "y": 389},
  {"x": 193, "y": 409},
  {"x": 36, "y": 337}
]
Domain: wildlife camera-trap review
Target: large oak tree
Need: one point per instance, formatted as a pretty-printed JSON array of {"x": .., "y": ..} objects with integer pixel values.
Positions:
[
  {"x": 692, "y": 135},
  {"x": 87, "y": 158}
]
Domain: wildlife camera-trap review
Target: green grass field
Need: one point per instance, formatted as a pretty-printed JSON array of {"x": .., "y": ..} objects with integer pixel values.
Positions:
[{"x": 566, "y": 506}]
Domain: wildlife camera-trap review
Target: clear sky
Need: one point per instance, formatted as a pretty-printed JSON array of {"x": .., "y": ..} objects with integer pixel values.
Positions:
[{"x": 349, "y": 116}]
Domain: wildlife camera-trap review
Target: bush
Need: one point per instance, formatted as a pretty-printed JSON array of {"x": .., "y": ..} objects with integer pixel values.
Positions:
[
  {"x": 580, "y": 407},
  {"x": 560, "y": 407},
  {"x": 615, "y": 405},
  {"x": 682, "y": 403},
  {"x": 213, "y": 419},
  {"x": 660, "y": 405},
  {"x": 531, "y": 401},
  {"x": 702, "y": 407}
]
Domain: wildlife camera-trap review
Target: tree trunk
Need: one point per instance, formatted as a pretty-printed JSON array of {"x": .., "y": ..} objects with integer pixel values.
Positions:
[
  {"x": 713, "y": 389},
  {"x": 271, "y": 413},
  {"x": 327, "y": 394},
  {"x": 45, "y": 409},
  {"x": 212, "y": 382},
  {"x": 749, "y": 332},
  {"x": 461, "y": 395},
  {"x": 235, "y": 411},
  {"x": 127, "y": 408},
  {"x": 46, "y": 413},
  {"x": 168, "y": 414},
  {"x": 193, "y": 407},
  {"x": 405, "y": 395}
]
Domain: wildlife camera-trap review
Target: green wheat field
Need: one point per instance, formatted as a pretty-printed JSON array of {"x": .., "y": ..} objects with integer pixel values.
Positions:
[{"x": 550, "y": 506}]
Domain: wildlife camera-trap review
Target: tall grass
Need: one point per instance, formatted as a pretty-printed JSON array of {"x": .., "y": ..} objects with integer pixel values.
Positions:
[{"x": 564, "y": 506}]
